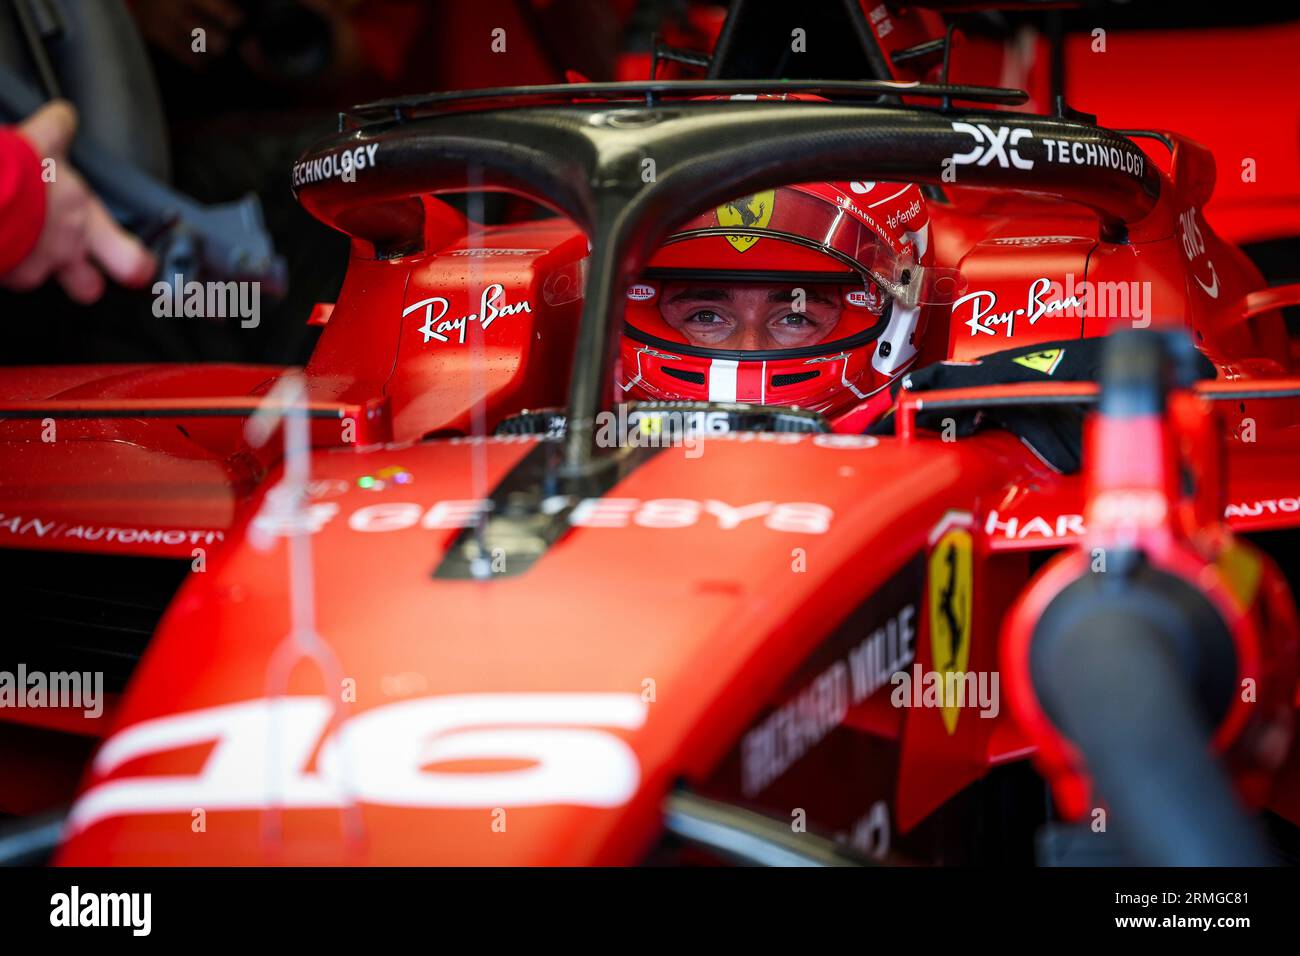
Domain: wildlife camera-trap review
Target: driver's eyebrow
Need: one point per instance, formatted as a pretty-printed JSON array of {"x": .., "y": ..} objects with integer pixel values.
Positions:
[
  {"x": 809, "y": 294},
  {"x": 701, "y": 295}
]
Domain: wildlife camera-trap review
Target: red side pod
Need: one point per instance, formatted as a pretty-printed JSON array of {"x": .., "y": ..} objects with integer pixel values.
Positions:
[{"x": 488, "y": 313}]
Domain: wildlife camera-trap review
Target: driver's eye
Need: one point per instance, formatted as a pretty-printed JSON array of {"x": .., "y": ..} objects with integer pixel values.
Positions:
[
  {"x": 796, "y": 320},
  {"x": 705, "y": 317}
]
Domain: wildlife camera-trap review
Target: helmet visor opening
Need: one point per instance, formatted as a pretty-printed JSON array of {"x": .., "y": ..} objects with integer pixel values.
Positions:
[{"x": 755, "y": 315}]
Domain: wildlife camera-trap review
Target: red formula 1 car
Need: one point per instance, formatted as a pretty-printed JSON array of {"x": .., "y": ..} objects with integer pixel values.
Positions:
[{"x": 426, "y": 611}]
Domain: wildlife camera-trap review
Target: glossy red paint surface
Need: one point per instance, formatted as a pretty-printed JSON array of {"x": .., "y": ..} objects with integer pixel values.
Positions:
[{"x": 715, "y": 578}]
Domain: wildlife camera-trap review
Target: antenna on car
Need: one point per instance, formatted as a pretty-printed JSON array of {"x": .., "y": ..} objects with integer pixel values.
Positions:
[
  {"x": 1054, "y": 31},
  {"x": 947, "y": 61},
  {"x": 662, "y": 52},
  {"x": 481, "y": 565},
  {"x": 286, "y": 512}
]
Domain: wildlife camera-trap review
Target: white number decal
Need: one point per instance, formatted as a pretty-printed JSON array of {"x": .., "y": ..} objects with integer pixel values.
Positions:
[{"x": 385, "y": 755}]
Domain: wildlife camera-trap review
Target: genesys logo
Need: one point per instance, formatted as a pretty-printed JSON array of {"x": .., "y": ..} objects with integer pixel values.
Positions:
[
  {"x": 565, "y": 748},
  {"x": 794, "y": 517}
]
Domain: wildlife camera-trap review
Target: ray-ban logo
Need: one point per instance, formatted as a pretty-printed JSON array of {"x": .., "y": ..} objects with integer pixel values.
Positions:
[{"x": 492, "y": 306}]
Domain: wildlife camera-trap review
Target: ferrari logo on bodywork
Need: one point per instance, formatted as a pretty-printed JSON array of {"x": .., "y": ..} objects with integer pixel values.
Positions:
[
  {"x": 748, "y": 212},
  {"x": 1241, "y": 569},
  {"x": 949, "y": 575},
  {"x": 1045, "y": 361}
]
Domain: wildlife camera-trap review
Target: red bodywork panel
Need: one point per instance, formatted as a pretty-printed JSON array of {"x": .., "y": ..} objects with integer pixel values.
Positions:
[
  {"x": 124, "y": 485},
  {"x": 716, "y": 638}
]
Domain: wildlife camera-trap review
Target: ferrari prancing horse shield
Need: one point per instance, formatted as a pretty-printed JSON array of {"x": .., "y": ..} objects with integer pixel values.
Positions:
[
  {"x": 748, "y": 212},
  {"x": 949, "y": 574}
]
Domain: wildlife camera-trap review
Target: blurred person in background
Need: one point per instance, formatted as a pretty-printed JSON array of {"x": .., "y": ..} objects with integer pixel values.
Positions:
[
  {"x": 245, "y": 86},
  {"x": 51, "y": 225}
]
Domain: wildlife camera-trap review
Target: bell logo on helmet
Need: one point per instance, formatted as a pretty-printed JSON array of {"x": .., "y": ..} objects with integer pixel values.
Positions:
[{"x": 748, "y": 212}]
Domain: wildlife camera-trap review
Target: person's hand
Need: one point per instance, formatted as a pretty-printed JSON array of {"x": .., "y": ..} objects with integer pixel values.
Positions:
[
  {"x": 79, "y": 237},
  {"x": 170, "y": 25}
]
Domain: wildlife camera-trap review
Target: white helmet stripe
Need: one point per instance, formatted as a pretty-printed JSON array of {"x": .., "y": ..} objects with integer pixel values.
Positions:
[{"x": 722, "y": 380}]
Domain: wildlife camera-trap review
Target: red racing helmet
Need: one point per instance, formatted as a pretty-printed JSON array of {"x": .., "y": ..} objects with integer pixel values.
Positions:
[{"x": 811, "y": 295}]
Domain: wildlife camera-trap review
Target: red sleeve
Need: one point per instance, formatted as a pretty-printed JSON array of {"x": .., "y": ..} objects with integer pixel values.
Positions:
[{"x": 22, "y": 199}]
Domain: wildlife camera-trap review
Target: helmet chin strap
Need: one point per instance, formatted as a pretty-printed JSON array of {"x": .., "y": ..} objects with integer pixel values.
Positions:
[{"x": 898, "y": 334}]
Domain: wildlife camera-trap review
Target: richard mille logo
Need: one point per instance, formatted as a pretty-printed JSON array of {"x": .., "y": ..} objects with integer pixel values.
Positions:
[{"x": 436, "y": 327}]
